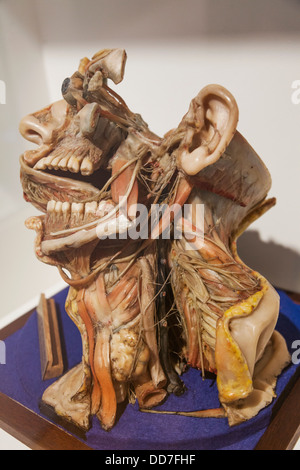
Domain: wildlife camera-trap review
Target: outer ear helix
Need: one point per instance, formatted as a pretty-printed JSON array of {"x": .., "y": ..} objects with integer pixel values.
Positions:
[{"x": 210, "y": 125}]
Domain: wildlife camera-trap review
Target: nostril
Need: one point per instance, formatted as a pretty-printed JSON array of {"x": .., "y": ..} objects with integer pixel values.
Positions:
[
  {"x": 32, "y": 130},
  {"x": 33, "y": 136}
]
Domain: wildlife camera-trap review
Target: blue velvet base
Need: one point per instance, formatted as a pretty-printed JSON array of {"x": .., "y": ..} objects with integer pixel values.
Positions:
[{"x": 20, "y": 379}]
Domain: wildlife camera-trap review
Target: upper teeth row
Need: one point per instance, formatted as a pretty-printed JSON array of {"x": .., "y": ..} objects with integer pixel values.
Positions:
[
  {"x": 66, "y": 163},
  {"x": 83, "y": 209}
]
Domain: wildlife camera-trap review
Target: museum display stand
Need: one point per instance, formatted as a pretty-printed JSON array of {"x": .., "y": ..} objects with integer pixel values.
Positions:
[{"x": 21, "y": 386}]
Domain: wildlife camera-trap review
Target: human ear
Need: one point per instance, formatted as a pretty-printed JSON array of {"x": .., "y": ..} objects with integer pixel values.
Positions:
[{"x": 209, "y": 126}]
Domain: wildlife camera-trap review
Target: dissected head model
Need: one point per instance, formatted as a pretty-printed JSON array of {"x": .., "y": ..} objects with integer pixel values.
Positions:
[{"x": 143, "y": 229}]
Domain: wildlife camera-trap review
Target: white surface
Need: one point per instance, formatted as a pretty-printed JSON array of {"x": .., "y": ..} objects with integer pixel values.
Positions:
[
  {"x": 8, "y": 442},
  {"x": 24, "y": 278}
]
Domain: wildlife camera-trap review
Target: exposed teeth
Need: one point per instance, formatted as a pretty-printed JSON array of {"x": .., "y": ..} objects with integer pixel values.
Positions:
[
  {"x": 74, "y": 165},
  {"x": 77, "y": 207},
  {"x": 35, "y": 156},
  {"x": 55, "y": 163},
  {"x": 86, "y": 167},
  {"x": 41, "y": 164},
  {"x": 66, "y": 210},
  {"x": 66, "y": 207},
  {"x": 76, "y": 213},
  {"x": 48, "y": 161},
  {"x": 62, "y": 165},
  {"x": 58, "y": 207},
  {"x": 50, "y": 206},
  {"x": 104, "y": 208},
  {"x": 91, "y": 207},
  {"x": 70, "y": 163}
]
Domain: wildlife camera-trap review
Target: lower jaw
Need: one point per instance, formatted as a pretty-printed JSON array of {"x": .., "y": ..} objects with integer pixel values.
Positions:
[{"x": 111, "y": 228}]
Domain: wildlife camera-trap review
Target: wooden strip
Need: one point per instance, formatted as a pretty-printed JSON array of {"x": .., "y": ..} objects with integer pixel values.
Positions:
[
  {"x": 57, "y": 347},
  {"x": 44, "y": 336},
  {"x": 49, "y": 338},
  {"x": 15, "y": 325},
  {"x": 294, "y": 296},
  {"x": 284, "y": 429},
  {"x": 34, "y": 431}
]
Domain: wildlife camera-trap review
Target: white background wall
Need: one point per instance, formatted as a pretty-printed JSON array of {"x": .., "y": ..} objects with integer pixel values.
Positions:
[{"x": 174, "y": 48}]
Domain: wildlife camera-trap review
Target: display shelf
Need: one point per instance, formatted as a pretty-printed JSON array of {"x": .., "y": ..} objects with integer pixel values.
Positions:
[{"x": 38, "y": 433}]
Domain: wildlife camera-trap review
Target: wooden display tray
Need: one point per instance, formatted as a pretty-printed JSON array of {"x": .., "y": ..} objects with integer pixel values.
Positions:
[{"x": 39, "y": 434}]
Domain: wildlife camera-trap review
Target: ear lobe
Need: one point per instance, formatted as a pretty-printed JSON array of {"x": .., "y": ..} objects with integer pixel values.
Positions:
[{"x": 209, "y": 125}]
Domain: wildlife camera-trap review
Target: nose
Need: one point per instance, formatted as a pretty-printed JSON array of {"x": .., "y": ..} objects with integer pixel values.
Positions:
[
  {"x": 34, "y": 130},
  {"x": 38, "y": 127}
]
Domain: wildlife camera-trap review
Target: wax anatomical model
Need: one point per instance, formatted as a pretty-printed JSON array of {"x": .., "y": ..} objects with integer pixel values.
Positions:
[{"x": 97, "y": 163}]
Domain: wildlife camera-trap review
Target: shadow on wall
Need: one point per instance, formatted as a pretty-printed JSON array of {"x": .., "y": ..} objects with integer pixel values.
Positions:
[{"x": 279, "y": 264}]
